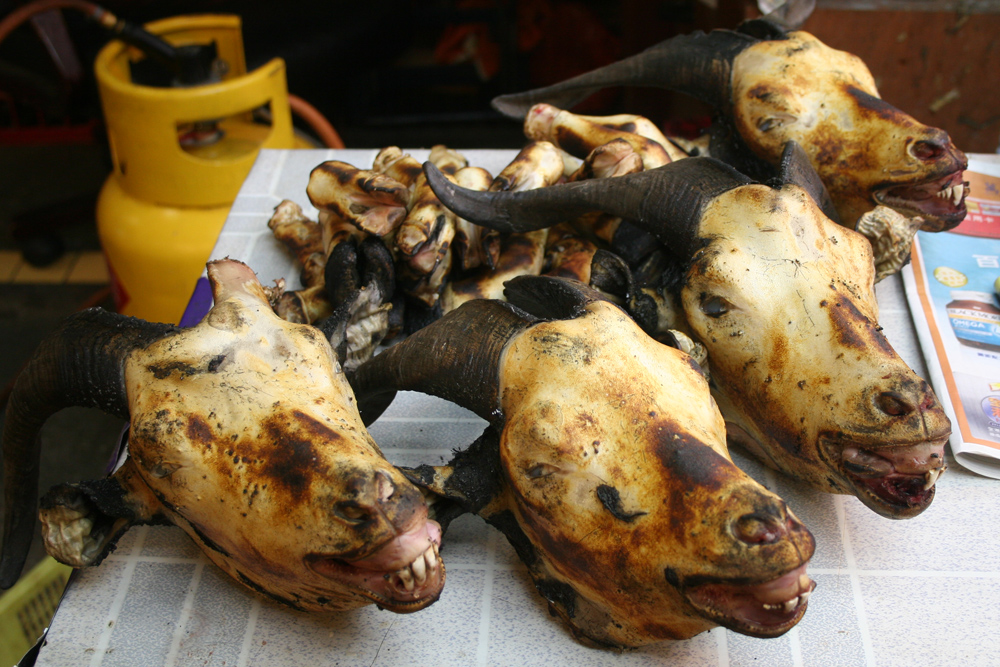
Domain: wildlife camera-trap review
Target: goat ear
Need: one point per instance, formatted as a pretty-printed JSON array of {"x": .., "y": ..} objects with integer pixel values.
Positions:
[
  {"x": 444, "y": 504},
  {"x": 82, "y": 522},
  {"x": 796, "y": 169},
  {"x": 470, "y": 483}
]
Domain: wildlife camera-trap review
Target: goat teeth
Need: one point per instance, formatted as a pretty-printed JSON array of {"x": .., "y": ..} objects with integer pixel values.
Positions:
[
  {"x": 804, "y": 597},
  {"x": 931, "y": 477},
  {"x": 431, "y": 558},
  {"x": 419, "y": 570},
  {"x": 788, "y": 606},
  {"x": 406, "y": 577}
]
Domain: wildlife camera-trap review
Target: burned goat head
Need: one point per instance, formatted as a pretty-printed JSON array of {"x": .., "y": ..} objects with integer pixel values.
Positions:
[
  {"x": 244, "y": 433},
  {"x": 605, "y": 466},
  {"x": 769, "y": 87},
  {"x": 782, "y": 299}
]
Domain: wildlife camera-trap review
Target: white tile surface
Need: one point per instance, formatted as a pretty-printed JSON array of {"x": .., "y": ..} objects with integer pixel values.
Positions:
[{"x": 924, "y": 591}]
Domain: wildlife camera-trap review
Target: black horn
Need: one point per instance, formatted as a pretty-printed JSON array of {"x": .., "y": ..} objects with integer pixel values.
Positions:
[
  {"x": 698, "y": 64},
  {"x": 796, "y": 169},
  {"x": 457, "y": 359},
  {"x": 666, "y": 202},
  {"x": 81, "y": 364}
]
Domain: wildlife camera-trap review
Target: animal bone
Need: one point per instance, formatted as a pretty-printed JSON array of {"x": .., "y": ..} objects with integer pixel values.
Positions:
[{"x": 579, "y": 135}]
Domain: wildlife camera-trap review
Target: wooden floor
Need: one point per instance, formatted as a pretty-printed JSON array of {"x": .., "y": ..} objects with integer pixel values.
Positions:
[{"x": 75, "y": 268}]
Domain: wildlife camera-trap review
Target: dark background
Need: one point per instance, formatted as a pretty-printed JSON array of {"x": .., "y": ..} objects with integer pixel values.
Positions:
[{"x": 371, "y": 67}]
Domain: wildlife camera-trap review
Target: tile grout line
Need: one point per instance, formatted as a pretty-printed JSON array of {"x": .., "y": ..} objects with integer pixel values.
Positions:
[
  {"x": 279, "y": 168},
  {"x": 185, "y": 616},
  {"x": 483, "y": 649},
  {"x": 116, "y": 605},
  {"x": 722, "y": 647},
  {"x": 244, "y": 658},
  {"x": 859, "y": 605},
  {"x": 930, "y": 574},
  {"x": 795, "y": 645}
]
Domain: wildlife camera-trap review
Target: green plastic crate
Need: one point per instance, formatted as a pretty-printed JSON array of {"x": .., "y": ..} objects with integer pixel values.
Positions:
[{"x": 27, "y": 608}]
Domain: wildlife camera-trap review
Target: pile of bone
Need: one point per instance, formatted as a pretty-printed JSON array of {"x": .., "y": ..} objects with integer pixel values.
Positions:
[{"x": 438, "y": 259}]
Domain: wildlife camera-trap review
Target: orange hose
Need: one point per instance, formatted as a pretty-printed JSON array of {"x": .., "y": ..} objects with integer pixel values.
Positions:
[
  {"x": 10, "y": 22},
  {"x": 316, "y": 120}
]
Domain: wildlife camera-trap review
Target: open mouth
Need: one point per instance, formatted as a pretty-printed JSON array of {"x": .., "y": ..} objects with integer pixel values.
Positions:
[
  {"x": 764, "y": 610},
  {"x": 405, "y": 575},
  {"x": 896, "y": 482},
  {"x": 940, "y": 202}
]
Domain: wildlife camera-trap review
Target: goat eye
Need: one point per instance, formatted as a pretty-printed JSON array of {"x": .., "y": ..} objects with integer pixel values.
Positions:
[
  {"x": 715, "y": 306},
  {"x": 352, "y": 513},
  {"x": 771, "y": 122},
  {"x": 540, "y": 470}
]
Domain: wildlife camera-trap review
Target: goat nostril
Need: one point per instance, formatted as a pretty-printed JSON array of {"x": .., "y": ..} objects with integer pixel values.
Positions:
[
  {"x": 759, "y": 529},
  {"x": 927, "y": 150},
  {"x": 893, "y": 404},
  {"x": 384, "y": 488}
]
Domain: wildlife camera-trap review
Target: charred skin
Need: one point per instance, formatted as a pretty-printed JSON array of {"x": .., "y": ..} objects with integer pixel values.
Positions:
[
  {"x": 537, "y": 165},
  {"x": 370, "y": 201},
  {"x": 568, "y": 254},
  {"x": 615, "y": 158},
  {"x": 468, "y": 248},
  {"x": 399, "y": 166},
  {"x": 619, "y": 476},
  {"x": 579, "y": 135},
  {"x": 823, "y": 397},
  {"x": 520, "y": 254},
  {"x": 245, "y": 432},
  {"x": 866, "y": 151}
]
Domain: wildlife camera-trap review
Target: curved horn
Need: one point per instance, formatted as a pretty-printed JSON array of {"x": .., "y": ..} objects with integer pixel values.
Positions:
[
  {"x": 80, "y": 364},
  {"x": 796, "y": 169},
  {"x": 696, "y": 64},
  {"x": 456, "y": 358},
  {"x": 549, "y": 297},
  {"x": 666, "y": 202}
]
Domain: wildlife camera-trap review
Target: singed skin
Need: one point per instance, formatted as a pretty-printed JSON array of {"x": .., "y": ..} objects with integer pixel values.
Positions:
[
  {"x": 866, "y": 151},
  {"x": 520, "y": 254},
  {"x": 619, "y": 476},
  {"x": 579, "y": 135},
  {"x": 802, "y": 370},
  {"x": 370, "y": 201},
  {"x": 246, "y": 433}
]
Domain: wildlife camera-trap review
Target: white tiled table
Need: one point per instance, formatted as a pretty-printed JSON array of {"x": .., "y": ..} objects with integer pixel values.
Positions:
[{"x": 920, "y": 592}]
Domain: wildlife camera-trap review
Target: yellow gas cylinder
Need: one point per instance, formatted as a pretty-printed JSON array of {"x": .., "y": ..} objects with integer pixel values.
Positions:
[{"x": 161, "y": 209}]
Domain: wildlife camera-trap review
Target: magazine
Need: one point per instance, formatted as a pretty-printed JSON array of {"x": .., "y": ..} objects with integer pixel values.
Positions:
[{"x": 952, "y": 286}]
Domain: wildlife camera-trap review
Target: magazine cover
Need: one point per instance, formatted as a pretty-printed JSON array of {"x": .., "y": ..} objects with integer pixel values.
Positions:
[{"x": 953, "y": 289}]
